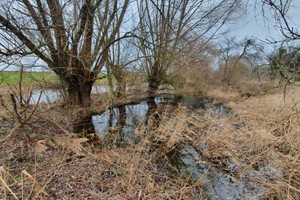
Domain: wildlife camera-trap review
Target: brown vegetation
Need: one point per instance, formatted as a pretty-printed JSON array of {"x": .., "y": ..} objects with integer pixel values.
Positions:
[
  {"x": 45, "y": 161},
  {"x": 246, "y": 128},
  {"x": 260, "y": 136}
]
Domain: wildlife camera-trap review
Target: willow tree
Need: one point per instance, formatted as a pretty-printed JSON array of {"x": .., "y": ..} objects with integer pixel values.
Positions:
[
  {"x": 168, "y": 26},
  {"x": 72, "y": 37}
]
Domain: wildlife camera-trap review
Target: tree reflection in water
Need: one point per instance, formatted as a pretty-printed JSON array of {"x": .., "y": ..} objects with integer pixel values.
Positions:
[
  {"x": 117, "y": 125},
  {"x": 115, "y": 134}
]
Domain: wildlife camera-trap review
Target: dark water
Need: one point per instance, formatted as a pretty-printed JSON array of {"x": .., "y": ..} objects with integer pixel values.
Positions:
[
  {"x": 126, "y": 118},
  {"x": 217, "y": 184},
  {"x": 117, "y": 126}
]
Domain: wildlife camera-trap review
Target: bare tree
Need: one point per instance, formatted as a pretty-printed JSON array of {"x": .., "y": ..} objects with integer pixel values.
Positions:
[
  {"x": 228, "y": 46},
  {"x": 167, "y": 27},
  {"x": 280, "y": 9},
  {"x": 120, "y": 57},
  {"x": 193, "y": 68},
  {"x": 231, "y": 57},
  {"x": 72, "y": 37}
]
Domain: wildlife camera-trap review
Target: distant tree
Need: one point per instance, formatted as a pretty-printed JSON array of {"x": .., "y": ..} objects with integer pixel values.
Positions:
[
  {"x": 193, "y": 68},
  {"x": 120, "y": 57},
  {"x": 167, "y": 27},
  {"x": 72, "y": 37},
  {"x": 234, "y": 55}
]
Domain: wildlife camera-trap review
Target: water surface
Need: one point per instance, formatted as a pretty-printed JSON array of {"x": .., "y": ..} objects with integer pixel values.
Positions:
[
  {"x": 53, "y": 95},
  {"x": 117, "y": 126}
]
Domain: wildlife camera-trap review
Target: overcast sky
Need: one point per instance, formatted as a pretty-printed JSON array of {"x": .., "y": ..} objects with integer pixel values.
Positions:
[{"x": 252, "y": 23}]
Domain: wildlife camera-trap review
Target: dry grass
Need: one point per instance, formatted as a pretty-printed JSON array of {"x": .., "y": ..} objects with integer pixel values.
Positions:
[
  {"x": 244, "y": 88},
  {"x": 219, "y": 93},
  {"x": 44, "y": 160},
  {"x": 274, "y": 137},
  {"x": 259, "y": 142},
  {"x": 110, "y": 174},
  {"x": 262, "y": 138}
]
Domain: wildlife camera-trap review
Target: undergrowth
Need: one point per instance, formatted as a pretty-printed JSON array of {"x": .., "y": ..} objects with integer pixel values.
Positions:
[{"x": 258, "y": 141}]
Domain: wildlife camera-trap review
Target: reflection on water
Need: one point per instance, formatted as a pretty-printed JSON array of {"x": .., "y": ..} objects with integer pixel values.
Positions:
[
  {"x": 48, "y": 96},
  {"x": 217, "y": 184},
  {"x": 117, "y": 125},
  {"x": 127, "y": 117},
  {"x": 96, "y": 89},
  {"x": 121, "y": 122}
]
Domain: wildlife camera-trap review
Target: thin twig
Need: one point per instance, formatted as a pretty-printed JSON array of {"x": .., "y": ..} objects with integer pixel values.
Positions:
[
  {"x": 4, "y": 184},
  {"x": 20, "y": 86},
  {"x": 11, "y": 133},
  {"x": 27, "y": 102},
  {"x": 18, "y": 116},
  {"x": 35, "y": 107}
]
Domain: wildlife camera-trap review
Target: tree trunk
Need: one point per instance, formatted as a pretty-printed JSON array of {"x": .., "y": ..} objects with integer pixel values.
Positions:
[
  {"x": 120, "y": 75},
  {"x": 80, "y": 94},
  {"x": 121, "y": 87},
  {"x": 154, "y": 83}
]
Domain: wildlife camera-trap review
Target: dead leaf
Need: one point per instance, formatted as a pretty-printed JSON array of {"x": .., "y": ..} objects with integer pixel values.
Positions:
[
  {"x": 75, "y": 145},
  {"x": 40, "y": 146}
]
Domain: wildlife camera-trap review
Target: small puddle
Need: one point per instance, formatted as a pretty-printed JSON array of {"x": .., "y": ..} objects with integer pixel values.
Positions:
[{"x": 48, "y": 96}]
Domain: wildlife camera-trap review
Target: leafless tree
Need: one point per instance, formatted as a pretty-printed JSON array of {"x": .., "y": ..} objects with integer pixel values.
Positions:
[
  {"x": 167, "y": 27},
  {"x": 231, "y": 56},
  {"x": 193, "y": 68},
  {"x": 120, "y": 57},
  {"x": 72, "y": 37},
  {"x": 280, "y": 9}
]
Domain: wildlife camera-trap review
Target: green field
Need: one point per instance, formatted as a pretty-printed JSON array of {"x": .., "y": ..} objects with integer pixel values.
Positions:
[{"x": 13, "y": 78}]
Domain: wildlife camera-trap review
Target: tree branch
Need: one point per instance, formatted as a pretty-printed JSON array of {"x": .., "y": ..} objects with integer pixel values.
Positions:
[{"x": 24, "y": 40}]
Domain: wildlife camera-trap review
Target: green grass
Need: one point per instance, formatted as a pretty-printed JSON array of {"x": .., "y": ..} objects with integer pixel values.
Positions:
[{"x": 12, "y": 78}]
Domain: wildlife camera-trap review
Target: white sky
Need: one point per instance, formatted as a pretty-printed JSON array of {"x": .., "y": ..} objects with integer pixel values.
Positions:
[{"x": 253, "y": 24}]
